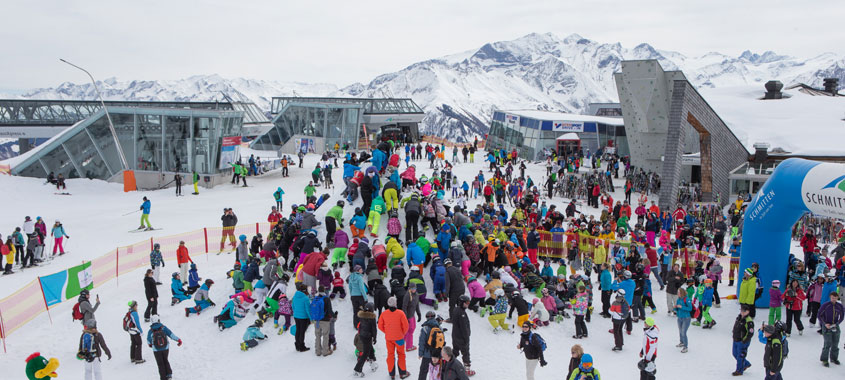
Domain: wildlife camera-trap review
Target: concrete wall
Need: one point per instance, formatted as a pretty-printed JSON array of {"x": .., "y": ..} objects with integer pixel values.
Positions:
[
  {"x": 644, "y": 92},
  {"x": 721, "y": 151}
]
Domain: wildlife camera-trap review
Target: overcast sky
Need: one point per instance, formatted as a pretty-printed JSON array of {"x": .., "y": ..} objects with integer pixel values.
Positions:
[{"x": 349, "y": 41}]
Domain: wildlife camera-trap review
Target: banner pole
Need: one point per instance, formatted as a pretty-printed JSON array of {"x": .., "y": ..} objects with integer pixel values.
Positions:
[
  {"x": 3, "y": 332},
  {"x": 117, "y": 266},
  {"x": 205, "y": 233},
  {"x": 45, "y": 300}
]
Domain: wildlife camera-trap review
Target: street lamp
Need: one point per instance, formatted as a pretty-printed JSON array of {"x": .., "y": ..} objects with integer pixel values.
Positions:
[
  {"x": 111, "y": 126},
  {"x": 128, "y": 175}
]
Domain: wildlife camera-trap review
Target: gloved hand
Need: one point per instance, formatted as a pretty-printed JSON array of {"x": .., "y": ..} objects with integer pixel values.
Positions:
[
  {"x": 179, "y": 343},
  {"x": 543, "y": 363}
]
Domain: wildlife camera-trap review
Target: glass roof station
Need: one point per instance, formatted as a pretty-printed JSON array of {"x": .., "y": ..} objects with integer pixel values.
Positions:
[
  {"x": 154, "y": 141},
  {"x": 316, "y": 124}
]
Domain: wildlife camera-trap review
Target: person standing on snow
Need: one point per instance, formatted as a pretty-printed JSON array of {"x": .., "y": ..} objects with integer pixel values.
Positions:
[
  {"x": 132, "y": 325},
  {"x": 301, "y": 315},
  {"x": 830, "y": 317},
  {"x": 151, "y": 293},
  {"x": 428, "y": 343},
  {"x": 157, "y": 339},
  {"x": 277, "y": 195},
  {"x": 229, "y": 220},
  {"x": 196, "y": 180},
  {"x": 145, "y": 214},
  {"x": 461, "y": 331},
  {"x": 394, "y": 324},
  {"x": 178, "y": 179},
  {"x": 58, "y": 233},
  {"x": 156, "y": 262},
  {"x": 183, "y": 259},
  {"x": 91, "y": 346}
]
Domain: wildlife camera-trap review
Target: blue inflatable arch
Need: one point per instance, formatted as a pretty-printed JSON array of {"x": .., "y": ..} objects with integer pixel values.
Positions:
[{"x": 795, "y": 187}]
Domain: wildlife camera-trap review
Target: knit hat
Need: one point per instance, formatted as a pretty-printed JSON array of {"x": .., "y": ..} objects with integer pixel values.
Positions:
[
  {"x": 775, "y": 283},
  {"x": 391, "y": 302},
  {"x": 649, "y": 321},
  {"x": 749, "y": 272}
]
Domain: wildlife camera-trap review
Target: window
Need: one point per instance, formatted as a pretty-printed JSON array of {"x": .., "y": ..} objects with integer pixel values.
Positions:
[
  {"x": 102, "y": 136},
  {"x": 149, "y": 143},
  {"x": 177, "y": 133}
]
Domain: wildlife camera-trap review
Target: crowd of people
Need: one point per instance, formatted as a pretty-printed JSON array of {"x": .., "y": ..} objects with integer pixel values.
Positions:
[{"x": 515, "y": 251}]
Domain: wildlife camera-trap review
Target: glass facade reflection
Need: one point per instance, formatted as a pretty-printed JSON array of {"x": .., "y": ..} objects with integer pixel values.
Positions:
[
  {"x": 529, "y": 136},
  {"x": 152, "y": 139},
  {"x": 336, "y": 123}
]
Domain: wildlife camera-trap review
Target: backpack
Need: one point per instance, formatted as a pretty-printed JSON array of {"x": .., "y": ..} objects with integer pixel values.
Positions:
[
  {"x": 436, "y": 340},
  {"x": 540, "y": 338},
  {"x": 159, "y": 339},
  {"x": 77, "y": 314},
  {"x": 87, "y": 350},
  {"x": 128, "y": 323},
  {"x": 318, "y": 310}
]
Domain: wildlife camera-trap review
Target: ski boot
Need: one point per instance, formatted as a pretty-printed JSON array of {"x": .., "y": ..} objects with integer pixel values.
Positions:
[
  {"x": 435, "y": 304},
  {"x": 469, "y": 371},
  {"x": 357, "y": 374},
  {"x": 244, "y": 347},
  {"x": 373, "y": 365},
  {"x": 696, "y": 323}
]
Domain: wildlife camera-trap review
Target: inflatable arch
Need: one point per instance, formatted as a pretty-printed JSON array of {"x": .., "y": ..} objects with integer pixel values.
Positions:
[{"x": 795, "y": 187}]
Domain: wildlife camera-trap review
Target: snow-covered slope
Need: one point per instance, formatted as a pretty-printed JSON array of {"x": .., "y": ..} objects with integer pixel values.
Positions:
[{"x": 459, "y": 91}]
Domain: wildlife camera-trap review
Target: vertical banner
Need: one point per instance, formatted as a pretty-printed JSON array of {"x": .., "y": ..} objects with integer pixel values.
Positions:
[
  {"x": 229, "y": 151},
  {"x": 78, "y": 278}
]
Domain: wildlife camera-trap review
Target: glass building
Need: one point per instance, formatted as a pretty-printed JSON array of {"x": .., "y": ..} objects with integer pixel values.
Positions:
[
  {"x": 152, "y": 139},
  {"x": 323, "y": 123},
  {"x": 326, "y": 121},
  {"x": 532, "y": 131}
]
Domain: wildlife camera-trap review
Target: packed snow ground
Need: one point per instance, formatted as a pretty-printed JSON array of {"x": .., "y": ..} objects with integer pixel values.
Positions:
[{"x": 92, "y": 216}]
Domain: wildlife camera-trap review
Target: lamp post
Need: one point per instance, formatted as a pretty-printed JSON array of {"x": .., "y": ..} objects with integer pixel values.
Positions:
[{"x": 111, "y": 126}]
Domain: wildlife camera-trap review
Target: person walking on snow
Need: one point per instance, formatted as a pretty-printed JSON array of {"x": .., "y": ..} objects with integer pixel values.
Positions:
[
  {"x": 743, "y": 331},
  {"x": 830, "y": 317},
  {"x": 91, "y": 347},
  {"x": 394, "y": 324},
  {"x": 145, "y": 214},
  {"x": 532, "y": 345},
  {"x": 157, "y": 339},
  {"x": 647, "y": 366}
]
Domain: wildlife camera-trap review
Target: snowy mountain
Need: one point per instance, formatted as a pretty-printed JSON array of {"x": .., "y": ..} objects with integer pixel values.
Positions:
[{"x": 458, "y": 92}]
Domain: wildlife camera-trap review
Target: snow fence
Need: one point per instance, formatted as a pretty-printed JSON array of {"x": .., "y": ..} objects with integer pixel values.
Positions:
[{"x": 43, "y": 293}]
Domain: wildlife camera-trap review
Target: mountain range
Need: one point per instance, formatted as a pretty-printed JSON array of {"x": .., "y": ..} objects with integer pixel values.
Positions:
[{"x": 459, "y": 92}]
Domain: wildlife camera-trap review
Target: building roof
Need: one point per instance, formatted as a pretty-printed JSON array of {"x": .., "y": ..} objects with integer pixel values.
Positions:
[
  {"x": 571, "y": 136},
  {"x": 800, "y": 123},
  {"x": 560, "y": 116}
]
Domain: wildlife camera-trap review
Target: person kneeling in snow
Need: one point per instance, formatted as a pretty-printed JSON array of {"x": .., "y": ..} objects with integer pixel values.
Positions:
[
  {"x": 177, "y": 289},
  {"x": 252, "y": 335},
  {"x": 229, "y": 316},
  {"x": 201, "y": 299}
]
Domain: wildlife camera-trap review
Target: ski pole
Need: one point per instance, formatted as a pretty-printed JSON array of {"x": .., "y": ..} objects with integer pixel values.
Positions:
[{"x": 129, "y": 213}]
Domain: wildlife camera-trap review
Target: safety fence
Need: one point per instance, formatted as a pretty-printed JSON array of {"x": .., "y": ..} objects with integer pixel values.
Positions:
[{"x": 42, "y": 294}]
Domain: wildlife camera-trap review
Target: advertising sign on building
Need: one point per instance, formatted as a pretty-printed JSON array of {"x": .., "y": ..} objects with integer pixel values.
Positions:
[
  {"x": 567, "y": 126},
  {"x": 229, "y": 151},
  {"x": 512, "y": 119}
]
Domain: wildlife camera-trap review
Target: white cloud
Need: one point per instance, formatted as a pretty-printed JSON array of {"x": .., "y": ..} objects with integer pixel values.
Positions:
[{"x": 347, "y": 41}]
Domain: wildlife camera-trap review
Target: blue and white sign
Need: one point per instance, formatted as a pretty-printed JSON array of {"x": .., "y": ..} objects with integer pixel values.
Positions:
[
  {"x": 512, "y": 119},
  {"x": 567, "y": 126}
]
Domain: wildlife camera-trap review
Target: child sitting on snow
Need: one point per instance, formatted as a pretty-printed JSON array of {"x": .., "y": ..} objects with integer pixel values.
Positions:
[
  {"x": 337, "y": 286},
  {"x": 177, "y": 290},
  {"x": 539, "y": 314},
  {"x": 193, "y": 280}
]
